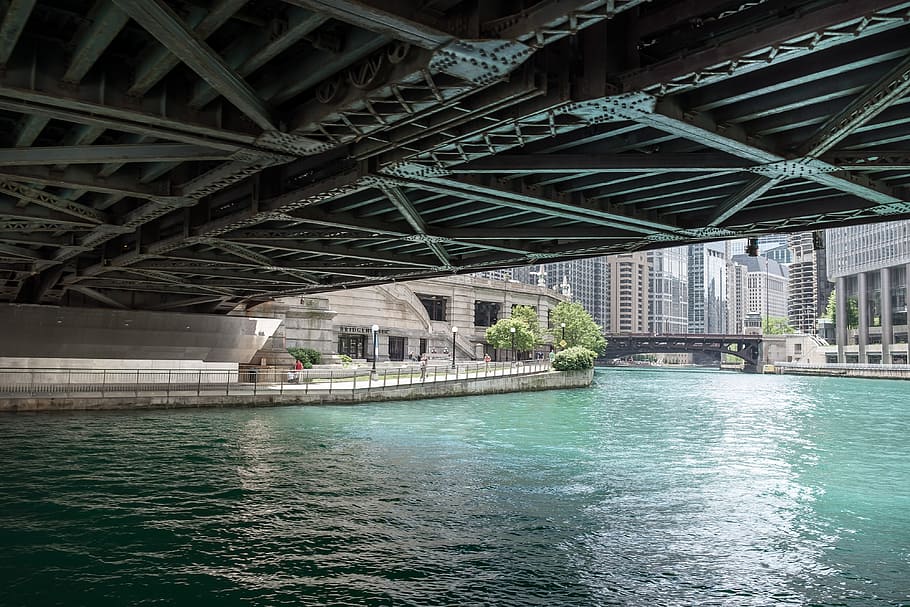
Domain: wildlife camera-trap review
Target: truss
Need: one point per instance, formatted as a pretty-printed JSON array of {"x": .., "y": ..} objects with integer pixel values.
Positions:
[{"x": 180, "y": 155}]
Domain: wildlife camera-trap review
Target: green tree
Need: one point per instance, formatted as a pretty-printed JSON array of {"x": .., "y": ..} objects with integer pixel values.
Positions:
[
  {"x": 581, "y": 330},
  {"x": 528, "y": 315},
  {"x": 775, "y": 325},
  {"x": 574, "y": 358},
  {"x": 307, "y": 356},
  {"x": 500, "y": 335},
  {"x": 852, "y": 310}
]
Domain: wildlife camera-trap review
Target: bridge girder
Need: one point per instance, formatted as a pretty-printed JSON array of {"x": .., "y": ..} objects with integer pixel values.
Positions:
[{"x": 186, "y": 155}]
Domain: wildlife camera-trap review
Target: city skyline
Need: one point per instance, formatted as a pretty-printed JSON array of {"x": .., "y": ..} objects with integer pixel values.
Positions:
[{"x": 700, "y": 288}]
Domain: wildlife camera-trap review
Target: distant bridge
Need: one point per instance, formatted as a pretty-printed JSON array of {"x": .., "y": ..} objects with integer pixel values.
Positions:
[{"x": 746, "y": 347}]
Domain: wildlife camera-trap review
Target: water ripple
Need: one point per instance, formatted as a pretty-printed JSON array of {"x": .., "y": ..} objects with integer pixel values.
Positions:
[{"x": 651, "y": 488}]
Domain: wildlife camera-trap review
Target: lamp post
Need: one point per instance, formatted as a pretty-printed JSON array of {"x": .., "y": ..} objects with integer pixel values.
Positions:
[
  {"x": 563, "y": 325},
  {"x": 375, "y": 329},
  {"x": 454, "y": 333},
  {"x": 512, "y": 331}
]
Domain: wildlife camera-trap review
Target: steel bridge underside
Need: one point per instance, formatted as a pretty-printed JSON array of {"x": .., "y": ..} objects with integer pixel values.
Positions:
[
  {"x": 746, "y": 347},
  {"x": 207, "y": 154}
]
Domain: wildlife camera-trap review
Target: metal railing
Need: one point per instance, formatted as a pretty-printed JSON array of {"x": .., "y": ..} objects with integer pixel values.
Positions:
[
  {"x": 847, "y": 366},
  {"x": 27, "y": 383}
]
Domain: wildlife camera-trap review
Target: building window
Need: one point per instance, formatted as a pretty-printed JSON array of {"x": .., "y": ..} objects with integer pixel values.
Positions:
[
  {"x": 486, "y": 313},
  {"x": 352, "y": 345},
  {"x": 435, "y": 305}
]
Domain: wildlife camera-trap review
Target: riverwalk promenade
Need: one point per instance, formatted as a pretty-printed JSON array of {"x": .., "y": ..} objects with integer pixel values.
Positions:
[
  {"x": 99, "y": 389},
  {"x": 844, "y": 370}
]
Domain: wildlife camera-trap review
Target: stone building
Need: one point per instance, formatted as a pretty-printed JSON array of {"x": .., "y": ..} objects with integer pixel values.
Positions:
[{"x": 412, "y": 318}]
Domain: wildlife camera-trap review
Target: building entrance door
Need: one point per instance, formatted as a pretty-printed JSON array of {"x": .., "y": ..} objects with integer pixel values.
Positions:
[
  {"x": 352, "y": 345},
  {"x": 396, "y": 348}
]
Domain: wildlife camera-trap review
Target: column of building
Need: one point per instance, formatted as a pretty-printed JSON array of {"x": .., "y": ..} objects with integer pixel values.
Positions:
[
  {"x": 840, "y": 296},
  {"x": 862, "y": 292},
  {"x": 886, "y": 320}
]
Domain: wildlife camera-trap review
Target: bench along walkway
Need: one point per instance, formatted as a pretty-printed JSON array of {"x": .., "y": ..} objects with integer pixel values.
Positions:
[{"x": 48, "y": 389}]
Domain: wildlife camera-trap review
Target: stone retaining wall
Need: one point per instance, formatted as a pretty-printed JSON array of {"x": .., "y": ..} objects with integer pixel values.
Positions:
[
  {"x": 845, "y": 370},
  {"x": 554, "y": 380}
]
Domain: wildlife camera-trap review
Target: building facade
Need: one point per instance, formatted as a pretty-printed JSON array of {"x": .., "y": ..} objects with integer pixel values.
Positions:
[
  {"x": 669, "y": 290},
  {"x": 629, "y": 293},
  {"x": 412, "y": 318},
  {"x": 587, "y": 280},
  {"x": 870, "y": 265},
  {"x": 759, "y": 287},
  {"x": 707, "y": 288},
  {"x": 809, "y": 285}
]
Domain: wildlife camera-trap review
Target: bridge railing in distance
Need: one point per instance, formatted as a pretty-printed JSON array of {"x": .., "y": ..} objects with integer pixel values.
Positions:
[{"x": 33, "y": 383}]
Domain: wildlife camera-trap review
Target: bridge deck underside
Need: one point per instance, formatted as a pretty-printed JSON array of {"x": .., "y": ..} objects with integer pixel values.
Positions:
[{"x": 205, "y": 155}]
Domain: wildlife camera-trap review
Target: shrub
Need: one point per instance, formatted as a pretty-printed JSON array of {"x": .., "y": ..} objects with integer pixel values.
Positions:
[
  {"x": 574, "y": 358},
  {"x": 346, "y": 360},
  {"x": 305, "y": 355}
]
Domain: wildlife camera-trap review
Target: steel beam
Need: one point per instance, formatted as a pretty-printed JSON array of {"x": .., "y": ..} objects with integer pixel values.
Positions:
[
  {"x": 14, "y": 252},
  {"x": 352, "y": 253},
  {"x": 252, "y": 52},
  {"x": 106, "y": 21},
  {"x": 98, "y": 296},
  {"x": 876, "y": 98},
  {"x": 667, "y": 116},
  {"x": 399, "y": 23},
  {"x": 50, "y": 201},
  {"x": 878, "y": 160},
  {"x": 511, "y": 195},
  {"x": 754, "y": 190},
  {"x": 95, "y": 154},
  {"x": 29, "y": 128},
  {"x": 412, "y": 216},
  {"x": 787, "y": 39},
  {"x": 547, "y": 22},
  {"x": 78, "y": 178},
  {"x": 170, "y": 30},
  {"x": 161, "y": 61},
  {"x": 186, "y": 303},
  {"x": 72, "y": 108},
  {"x": 317, "y": 66},
  {"x": 585, "y": 164},
  {"x": 14, "y": 19}
]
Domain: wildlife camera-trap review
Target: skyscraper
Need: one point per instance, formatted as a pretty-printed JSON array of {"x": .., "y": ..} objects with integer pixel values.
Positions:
[
  {"x": 588, "y": 280},
  {"x": 669, "y": 290},
  {"x": 628, "y": 294},
  {"x": 809, "y": 284},
  {"x": 765, "y": 292},
  {"x": 707, "y": 288},
  {"x": 870, "y": 265}
]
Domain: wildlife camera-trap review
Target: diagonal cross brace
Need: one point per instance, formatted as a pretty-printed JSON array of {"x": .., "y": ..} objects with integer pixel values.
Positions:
[{"x": 170, "y": 30}]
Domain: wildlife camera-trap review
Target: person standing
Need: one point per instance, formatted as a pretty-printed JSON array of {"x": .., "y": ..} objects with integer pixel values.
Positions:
[{"x": 423, "y": 367}]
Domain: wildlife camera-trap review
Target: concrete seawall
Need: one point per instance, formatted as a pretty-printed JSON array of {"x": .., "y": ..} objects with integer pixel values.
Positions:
[
  {"x": 553, "y": 380},
  {"x": 845, "y": 370}
]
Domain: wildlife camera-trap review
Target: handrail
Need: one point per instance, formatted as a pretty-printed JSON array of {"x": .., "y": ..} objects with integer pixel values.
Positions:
[
  {"x": 26, "y": 383},
  {"x": 853, "y": 366}
]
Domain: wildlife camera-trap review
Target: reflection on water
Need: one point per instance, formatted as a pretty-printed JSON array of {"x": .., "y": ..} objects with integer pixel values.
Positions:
[{"x": 651, "y": 488}]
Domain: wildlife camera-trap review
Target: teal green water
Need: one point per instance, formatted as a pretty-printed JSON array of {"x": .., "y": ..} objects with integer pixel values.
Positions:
[{"x": 650, "y": 488}]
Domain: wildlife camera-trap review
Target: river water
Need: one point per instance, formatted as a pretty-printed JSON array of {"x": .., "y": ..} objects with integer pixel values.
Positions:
[{"x": 652, "y": 487}]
